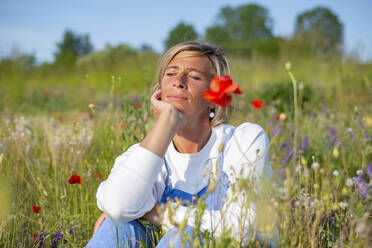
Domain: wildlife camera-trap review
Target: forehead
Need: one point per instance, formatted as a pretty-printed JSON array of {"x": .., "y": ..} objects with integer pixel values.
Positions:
[{"x": 191, "y": 60}]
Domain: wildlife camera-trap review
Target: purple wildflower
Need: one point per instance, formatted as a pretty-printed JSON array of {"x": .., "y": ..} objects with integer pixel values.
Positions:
[
  {"x": 271, "y": 121},
  {"x": 350, "y": 132},
  {"x": 41, "y": 238},
  {"x": 361, "y": 186},
  {"x": 284, "y": 145},
  {"x": 57, "y": 237},
  {"x": 333, "y": 138},
  {"x": 305, "y": 145},
  {"x": 287, "y": 157},
  {"x": 280, "y": 173},
  {"x": 369, "y": 171},
  {"x": 293, "y": 128},
  {"x": 276, "y": 129},
  {"x": 325, "y": 110},
  {"x": 333, "y": 131},
  {"x": 70, "y": 231},
  {"x": 312, "y": 114}
]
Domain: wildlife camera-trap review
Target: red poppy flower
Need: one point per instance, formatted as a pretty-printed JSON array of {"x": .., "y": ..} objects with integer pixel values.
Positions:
[
  {"x": 137, "y": 104},
  {"x": 75, "y": 179},
  {"x": 257, "y": 104},
  {"x": 220, "y": 89},
  {"x": 36, "y": 209},
  {"x": 99, "y": 175},
  {"x": 46, "y": 94},
  {"x": 122, "y": 126}
]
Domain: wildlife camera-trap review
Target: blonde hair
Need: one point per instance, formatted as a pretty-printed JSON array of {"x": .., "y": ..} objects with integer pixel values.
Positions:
[{"x": 215, "y": 55}]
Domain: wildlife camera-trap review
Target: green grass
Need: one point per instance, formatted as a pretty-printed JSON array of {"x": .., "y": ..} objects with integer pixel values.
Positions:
[{"x": 44, "y": 139}]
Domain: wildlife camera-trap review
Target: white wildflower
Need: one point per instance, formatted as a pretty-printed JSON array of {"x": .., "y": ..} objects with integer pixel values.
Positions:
[
  {"x": 343, "y": 205},
  {"x": 315, "y": 165},
  {"x": 359, "y": 172},
  {"x": 349, "y": 182},
  {"x": 335, "y": 173}
]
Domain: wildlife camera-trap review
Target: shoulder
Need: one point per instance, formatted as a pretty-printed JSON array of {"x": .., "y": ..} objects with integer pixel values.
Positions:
[
  {"x": 245, "y": 133},
  {"x": 248, "y": 138},
  {"x": 126, "y": 153}
]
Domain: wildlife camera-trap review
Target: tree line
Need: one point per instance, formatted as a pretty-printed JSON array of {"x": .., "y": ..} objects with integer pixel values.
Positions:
[{"x": 244, "y": 30}]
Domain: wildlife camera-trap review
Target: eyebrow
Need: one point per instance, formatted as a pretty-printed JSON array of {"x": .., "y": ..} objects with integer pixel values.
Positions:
[{"x": 188, "y": 68}]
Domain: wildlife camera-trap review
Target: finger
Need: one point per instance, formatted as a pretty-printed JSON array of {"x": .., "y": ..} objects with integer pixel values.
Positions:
[{"x": 156, "y": 96}]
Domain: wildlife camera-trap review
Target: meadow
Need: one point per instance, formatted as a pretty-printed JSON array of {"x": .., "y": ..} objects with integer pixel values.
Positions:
[{"x": 58, "y": 122}]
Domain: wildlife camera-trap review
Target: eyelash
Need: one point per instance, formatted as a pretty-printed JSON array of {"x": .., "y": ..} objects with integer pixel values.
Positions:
[{"x": 169, "y": 74}]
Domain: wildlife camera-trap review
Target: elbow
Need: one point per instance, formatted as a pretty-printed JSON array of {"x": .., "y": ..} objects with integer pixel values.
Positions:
[{"x": 115, "y": 209}]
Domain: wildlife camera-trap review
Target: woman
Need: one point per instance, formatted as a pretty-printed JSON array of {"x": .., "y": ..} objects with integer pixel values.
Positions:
[{"x": 178, "y": 157}]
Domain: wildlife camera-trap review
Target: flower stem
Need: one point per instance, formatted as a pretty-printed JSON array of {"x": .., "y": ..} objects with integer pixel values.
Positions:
[{"x": 294, "y": 84}]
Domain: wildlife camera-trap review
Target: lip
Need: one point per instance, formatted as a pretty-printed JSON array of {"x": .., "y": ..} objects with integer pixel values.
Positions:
[{"x": 176, "y": 97}]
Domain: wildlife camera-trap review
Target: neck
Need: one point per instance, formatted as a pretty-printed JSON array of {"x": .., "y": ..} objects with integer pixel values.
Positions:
[{"x": 192, "y": 137}]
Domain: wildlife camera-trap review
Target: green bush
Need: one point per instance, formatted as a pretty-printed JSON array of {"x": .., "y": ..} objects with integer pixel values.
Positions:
[{"x": 280, "y": 95}]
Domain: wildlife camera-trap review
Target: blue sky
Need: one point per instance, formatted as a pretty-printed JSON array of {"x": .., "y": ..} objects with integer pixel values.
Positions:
[{"x": 36, "y": 26}]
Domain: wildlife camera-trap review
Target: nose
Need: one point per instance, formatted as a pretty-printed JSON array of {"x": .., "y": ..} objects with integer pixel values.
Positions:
[{"x": 180, "y": 81}]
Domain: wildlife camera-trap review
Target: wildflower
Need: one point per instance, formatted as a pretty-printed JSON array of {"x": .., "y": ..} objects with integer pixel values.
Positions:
[
  {"x": 359, "y": 172},
  {"x": 75, "y": 179},
  {"x": 325, "y": 110},
  {"x": 137, "y": 104},
  {"x": 35, "y": 235},
  {"x": 369, "y": 171},
  {"x": 91, "y": 106},
  {"x": 349, "y": 182},
  {"x": 335, "y": 173},
  {"x": 333, "y": 138},
  {"x": 56, "y": 238},
  {"x": 271, "y": 121},
  {"x": 36, "y": 209},
  {"x": 276, "y": 129},
  {"x": 315, "y": 165},
  {"x": 303, "y": 161},
  {"x": 284, "y": 145},
  {"x": 99, "y": 175},
  {"x": 304, "y": 145},
  {"x": 41, "y": 238},
  {"x": 361, "y": 186},
  {"x": 257, "y": 103},
  {"x": 282, "y": 116},
  {"x": 122, "y": 126},
  {"x": 368, "y": 121},
  {"x": 288, "y": 66},
  {"x": 46, "y": 94},
  {"x": 287, "y": 157},
  {"x": 220, "y": 89},
  {"x": 280, "y": 173},
  {"x": 335, "y": 152},
  {"x": 350, "y": 132}
]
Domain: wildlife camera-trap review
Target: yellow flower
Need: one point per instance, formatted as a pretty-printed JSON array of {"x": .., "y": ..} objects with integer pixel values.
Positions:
[
  {"x": 282, "y": 116},
  {"x": 303, "y": 161},
  {"x": 368, "y": 121},
  {"x": 335, "y": 152}
]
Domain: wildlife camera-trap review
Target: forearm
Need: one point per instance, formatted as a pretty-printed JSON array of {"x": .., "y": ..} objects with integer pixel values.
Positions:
[{"x": 162, "y": 133}]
